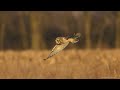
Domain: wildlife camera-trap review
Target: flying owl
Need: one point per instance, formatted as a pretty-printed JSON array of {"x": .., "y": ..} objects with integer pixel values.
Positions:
[{"x": 62, "y": 42}]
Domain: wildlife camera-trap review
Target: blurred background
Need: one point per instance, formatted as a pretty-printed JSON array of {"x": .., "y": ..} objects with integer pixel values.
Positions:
[{"x": 37, "y": 30}]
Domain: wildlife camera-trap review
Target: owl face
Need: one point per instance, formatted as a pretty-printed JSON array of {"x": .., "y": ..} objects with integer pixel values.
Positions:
[{"x": 60, "y": 40}]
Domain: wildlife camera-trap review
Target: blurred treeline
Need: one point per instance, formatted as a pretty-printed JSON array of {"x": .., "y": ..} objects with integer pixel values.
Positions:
[{"x": 20, "y": 30}]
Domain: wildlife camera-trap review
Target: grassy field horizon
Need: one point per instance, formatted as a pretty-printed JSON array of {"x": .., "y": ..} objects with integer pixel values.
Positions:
[{"x": 68, "y": 64}]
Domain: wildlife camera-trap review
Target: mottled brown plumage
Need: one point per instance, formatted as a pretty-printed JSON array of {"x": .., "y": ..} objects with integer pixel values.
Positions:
[{"x": 62, "y": 42}]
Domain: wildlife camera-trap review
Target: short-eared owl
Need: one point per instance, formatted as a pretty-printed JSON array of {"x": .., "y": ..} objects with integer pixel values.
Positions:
[{"x": 62, "y": 42}]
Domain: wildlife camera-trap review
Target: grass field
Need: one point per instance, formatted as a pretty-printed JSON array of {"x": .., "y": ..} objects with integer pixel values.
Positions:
[{"x": 68, "y": 64}]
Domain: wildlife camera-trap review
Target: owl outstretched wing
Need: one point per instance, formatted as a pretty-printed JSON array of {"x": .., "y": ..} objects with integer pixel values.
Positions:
[{"x": 56, "y": 49}]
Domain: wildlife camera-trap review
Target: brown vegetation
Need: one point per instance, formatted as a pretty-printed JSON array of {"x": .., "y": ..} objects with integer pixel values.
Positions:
[{"x": 68, "y": 64}]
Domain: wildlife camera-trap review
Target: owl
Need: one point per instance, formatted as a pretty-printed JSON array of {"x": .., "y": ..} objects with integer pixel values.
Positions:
[{"x": 62, "y": 42}]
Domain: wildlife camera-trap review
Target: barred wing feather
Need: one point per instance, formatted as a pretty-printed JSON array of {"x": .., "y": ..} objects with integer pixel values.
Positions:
[{"x": 56, "y": 49}]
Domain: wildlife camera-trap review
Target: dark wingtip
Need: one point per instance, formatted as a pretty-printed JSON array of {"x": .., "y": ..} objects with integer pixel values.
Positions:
[{"x": 45, "y": 59}]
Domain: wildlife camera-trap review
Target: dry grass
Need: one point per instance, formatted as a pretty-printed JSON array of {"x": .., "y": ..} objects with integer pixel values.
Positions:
[{"x": 68, "y": 64}]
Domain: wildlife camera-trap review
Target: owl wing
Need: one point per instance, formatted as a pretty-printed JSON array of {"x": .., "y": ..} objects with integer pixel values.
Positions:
[{"x": 56, "y": 49}]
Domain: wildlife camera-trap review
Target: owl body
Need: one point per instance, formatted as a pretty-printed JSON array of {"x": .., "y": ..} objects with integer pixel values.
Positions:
[{"x": 73, "y": 40}]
